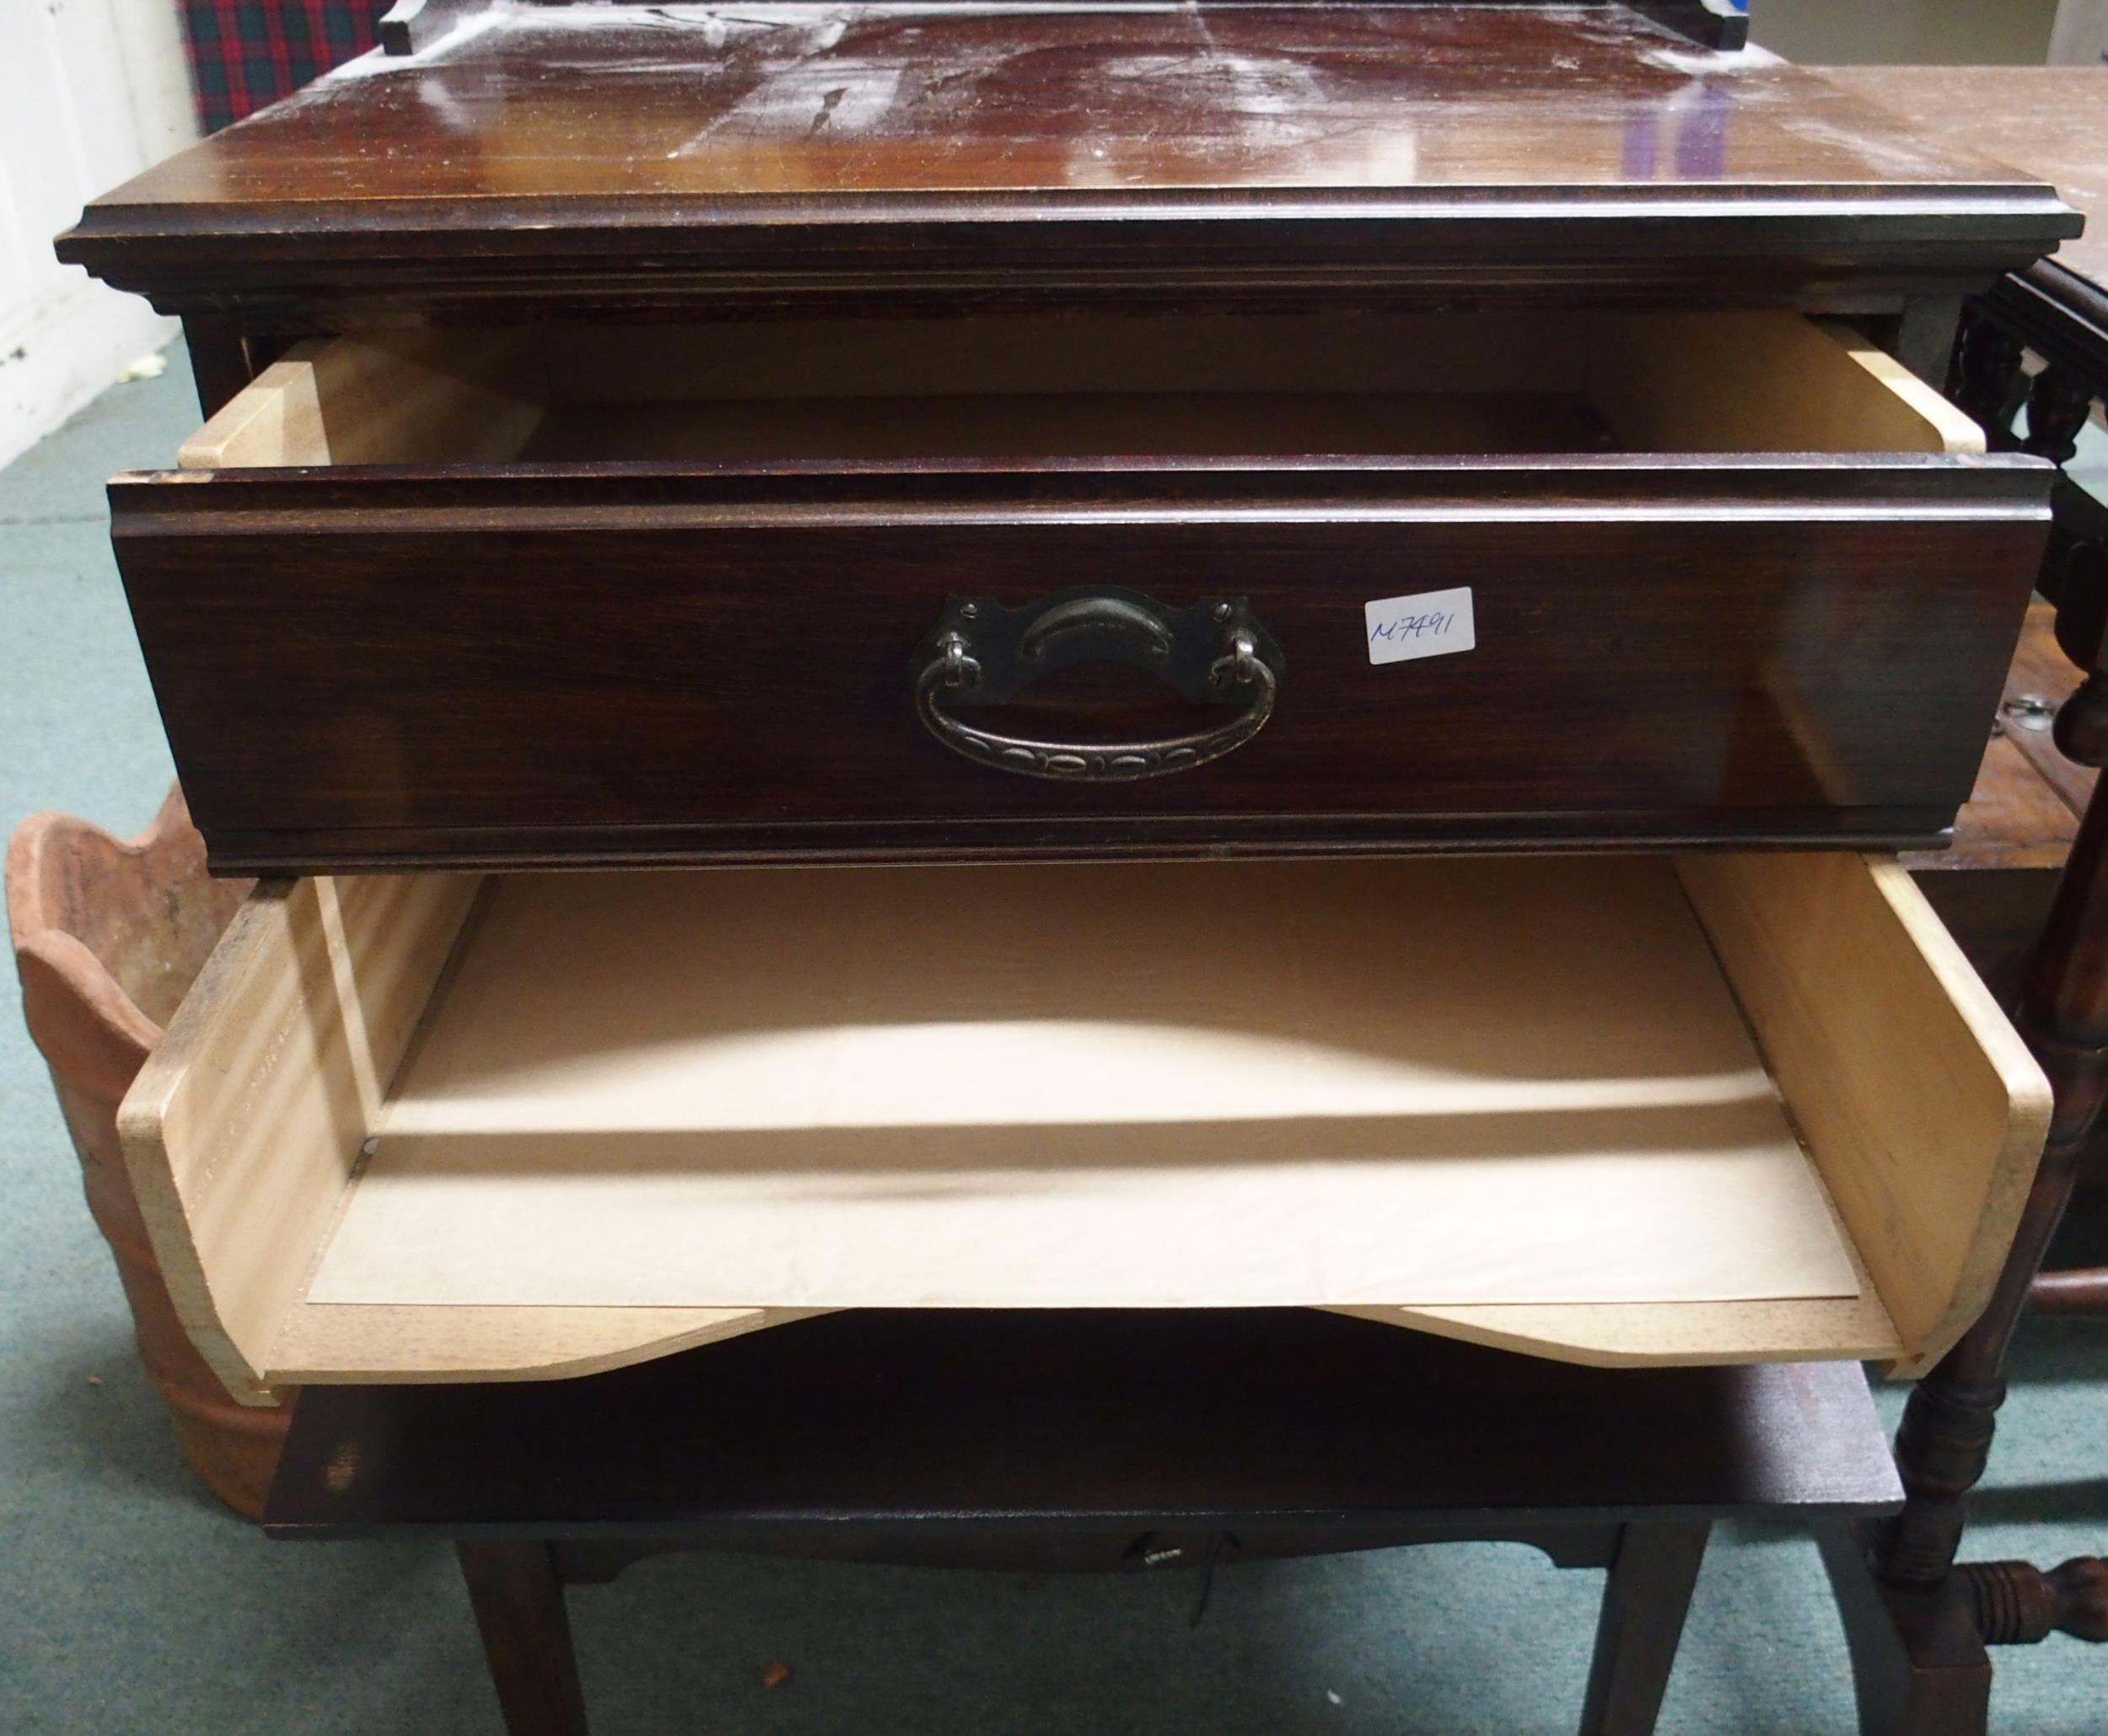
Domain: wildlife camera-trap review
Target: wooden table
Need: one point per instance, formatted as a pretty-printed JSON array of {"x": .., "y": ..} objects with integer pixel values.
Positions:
[
  {"x": 1994, "y": 885},
  {"x": 1919, "y": 1630},
  {"x": 1672, "y": 628},
  {"x": 1144, "y": 1442}
]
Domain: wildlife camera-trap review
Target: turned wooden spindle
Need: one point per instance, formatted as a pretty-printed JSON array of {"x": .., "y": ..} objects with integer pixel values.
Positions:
[
  {"x": 1945, "y": 1438},
  {"x": 1989, "y": 377},
  {"x": 2082, "y": 1292},
  {"x": 2059, "y": 403},
  {"x": 2017, "y": 1605}
]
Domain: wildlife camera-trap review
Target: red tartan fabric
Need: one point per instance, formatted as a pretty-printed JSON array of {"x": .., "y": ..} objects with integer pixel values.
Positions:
[{"x": 246, "y": 53}]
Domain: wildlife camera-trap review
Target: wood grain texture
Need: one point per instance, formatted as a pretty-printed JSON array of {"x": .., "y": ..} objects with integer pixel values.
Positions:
[
  {"x": 1879, "y": 955},
  {"x": 2047, "y": 121},
  {"x": 1918, "y": 1100},
  {"x": 643, "y": 156},
  {"x": 1085, "y": 385},
  {"x": 717, "y": 639},
  {"x": 1029, "y": 352},
  {"x": 2023, "y": 812},
  {"x": 2015, "y": 818},
  {"x": 2042, "y": 674},
  {"x": 751, "y": 1088},
  {"x": 1069, "y": 1420},
  {"x": 394, "y": 398},
  {"x": 350, "y": 1344},
  {"x": 643, "y": 663},
  {"x": 243, "y": 1127},
  {"x": 1757, "y": 383}
]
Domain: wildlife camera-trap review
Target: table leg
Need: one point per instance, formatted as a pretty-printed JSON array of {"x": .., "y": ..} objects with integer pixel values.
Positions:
[
  {"x": 1918, "y": 1665},
  {"x": 1644, "y": 1605},
  {"x": 1945, "y": 1440},
  {"x": 519, "y": 1603}
]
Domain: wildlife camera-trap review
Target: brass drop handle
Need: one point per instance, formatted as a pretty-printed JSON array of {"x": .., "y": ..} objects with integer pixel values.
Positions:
[{"x": 980, "y": 653}]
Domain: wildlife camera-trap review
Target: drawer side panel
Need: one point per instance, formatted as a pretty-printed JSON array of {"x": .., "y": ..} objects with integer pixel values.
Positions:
[
  {"x": 1918, "y": 1100},
  {"x": 246, "y": 1126}
]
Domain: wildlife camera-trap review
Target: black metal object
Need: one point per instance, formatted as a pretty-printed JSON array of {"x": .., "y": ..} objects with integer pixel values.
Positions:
[
  {"x": 1711, "y": 23},
  {"x": 1212, "y": 653}
]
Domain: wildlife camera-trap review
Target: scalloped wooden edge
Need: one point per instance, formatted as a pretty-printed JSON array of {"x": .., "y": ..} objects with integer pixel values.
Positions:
[{"x": 1920, "y": 1106}]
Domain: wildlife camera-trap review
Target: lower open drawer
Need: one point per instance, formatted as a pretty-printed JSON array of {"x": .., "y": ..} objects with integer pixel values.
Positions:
[{"x": 1621, "y": 1110}]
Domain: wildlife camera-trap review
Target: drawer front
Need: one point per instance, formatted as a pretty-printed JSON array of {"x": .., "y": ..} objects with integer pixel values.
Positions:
[{"x": 650, "y": 662}]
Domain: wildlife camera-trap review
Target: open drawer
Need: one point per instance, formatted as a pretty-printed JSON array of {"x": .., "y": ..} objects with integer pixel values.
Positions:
[
  {"x": 1714, "y": 1107},
  {"x": 561, "y": 594}
]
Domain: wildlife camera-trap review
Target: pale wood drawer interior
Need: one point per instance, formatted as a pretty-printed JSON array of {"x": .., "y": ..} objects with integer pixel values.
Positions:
[
  {"x": 1622, "y": 1110},
  {"x": 1085, "y": 386}
]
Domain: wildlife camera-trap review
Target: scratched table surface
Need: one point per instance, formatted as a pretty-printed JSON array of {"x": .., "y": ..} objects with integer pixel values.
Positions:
[
  {"x": 2050, "y": 121},
  {"x": 538, "y": 131},
  {"x": 799, "y": 99}
]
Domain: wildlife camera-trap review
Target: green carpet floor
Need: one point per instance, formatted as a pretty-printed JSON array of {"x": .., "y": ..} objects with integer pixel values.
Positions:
[{"x": 133, "y": 1604}]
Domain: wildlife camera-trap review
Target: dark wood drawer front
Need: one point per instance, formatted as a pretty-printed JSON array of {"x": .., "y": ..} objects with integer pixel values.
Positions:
[{"x": 617, "y": 663}]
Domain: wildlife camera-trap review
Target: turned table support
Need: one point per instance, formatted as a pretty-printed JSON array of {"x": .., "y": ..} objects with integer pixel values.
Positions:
[
  {"x": 1947, "y": 1426},
  {"x": 1919, "y": 1629},
  {"x": 2063, "y": 1014},
  {"x": 1917, "y": 1620},
  {"x": 1918, "y": 1623}
]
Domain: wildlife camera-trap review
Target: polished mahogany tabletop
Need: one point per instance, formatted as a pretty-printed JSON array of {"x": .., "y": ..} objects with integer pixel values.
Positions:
[
  {"x": 801, "y": 99},
  {"x": 1412, "y": 143},
  {"x": 2049, "y": 122}
]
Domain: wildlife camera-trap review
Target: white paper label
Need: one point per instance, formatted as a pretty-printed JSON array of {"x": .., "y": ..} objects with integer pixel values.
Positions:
[{"x": 1432, "y": 624}]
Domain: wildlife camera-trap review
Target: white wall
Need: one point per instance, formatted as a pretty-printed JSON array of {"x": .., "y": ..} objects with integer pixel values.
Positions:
[
  {"x": 91, "y": 92},
  {"x": 1906, "y": 32},
  {"x": 2081, "y": 37}
]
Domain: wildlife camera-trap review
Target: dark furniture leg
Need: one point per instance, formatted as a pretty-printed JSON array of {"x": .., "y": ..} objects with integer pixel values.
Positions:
[
  {"x": 1949, "y": 1423},
  {"x": 1918, "y": 1665},
  {"x": 2085, "y": 1292},
  {"x": 1644, "y": 1605},
  {"x": 1947, "y": 1426},
  {"x": 1918, "y": 1623},
  {"x": 1078, "y": 1440},
  {"x": 519, "y": 1603}
]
